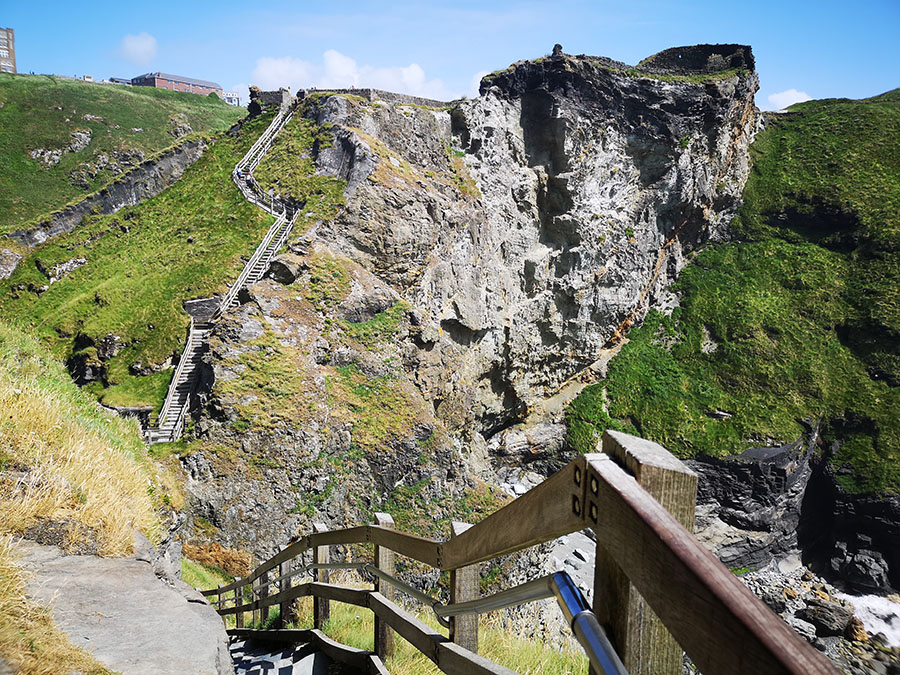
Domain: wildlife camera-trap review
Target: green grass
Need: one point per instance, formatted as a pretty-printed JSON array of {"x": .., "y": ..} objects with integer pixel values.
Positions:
[
  {"x": 31, "y": 118},
  {"x": 271, "y": 388},
  {"x": 694, "y": 78},
  {"x": 354, "y": 626},
  {"x": 803, "y": 311},
  {"x": 203, "y": 577},
  {"x": 381, "y": 328},
  {"x": 142, "y": 263},
  {"x": 289, "y": 169},
  {"x": 380, "y": 408}
]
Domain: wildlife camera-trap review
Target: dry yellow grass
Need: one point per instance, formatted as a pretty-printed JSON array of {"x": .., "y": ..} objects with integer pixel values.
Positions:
[
  {"x": 29, "y": 642},
  {"x": 72, "y": 472},
  {"x": 64, "y": 460}
]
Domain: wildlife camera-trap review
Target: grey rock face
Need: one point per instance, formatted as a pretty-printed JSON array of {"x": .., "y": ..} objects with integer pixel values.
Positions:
[
  {"x": 830, "y": 617},
  {"x": 749, "y": 506},
  {"x": 80, "y": 139},
  {"x": 586, "y": 189},
  {"x": 285, "y": 268},
  {"x": 9, "y": 260}
]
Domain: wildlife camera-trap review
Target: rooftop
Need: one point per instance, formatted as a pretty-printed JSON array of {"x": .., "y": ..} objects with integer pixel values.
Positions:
[{"x": 182, "y": 78}]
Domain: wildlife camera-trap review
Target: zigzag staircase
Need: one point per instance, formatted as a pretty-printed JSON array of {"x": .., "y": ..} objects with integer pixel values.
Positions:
[{"x": 187, "y": 374}]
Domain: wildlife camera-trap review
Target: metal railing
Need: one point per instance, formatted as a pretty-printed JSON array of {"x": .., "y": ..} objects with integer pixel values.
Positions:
[
  {"x": 239, "y": 283},
  {"x": 279, "y": 231},
  {"x": 170, "y": 393}
]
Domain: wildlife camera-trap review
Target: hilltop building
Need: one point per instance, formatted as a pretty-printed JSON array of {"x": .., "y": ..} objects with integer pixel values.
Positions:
[
  {"x": 231, "y": 98},
  {"x": 7, "y": 50},
  {"x": 177, "y": 83}
]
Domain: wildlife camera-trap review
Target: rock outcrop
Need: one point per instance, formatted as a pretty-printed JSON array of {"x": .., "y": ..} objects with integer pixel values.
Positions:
[
  {"x": 145, "y": 180},
  {"x": 131, "y": 614},
  {"x": 486, "y": 254},
  {"x": 575, "y": 190}
]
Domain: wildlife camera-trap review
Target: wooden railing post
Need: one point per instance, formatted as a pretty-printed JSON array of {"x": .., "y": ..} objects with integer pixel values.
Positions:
[
  {"x": 385, "y": 561},
  {"x": 285, "y": 614},
  {"x": 238, "y": 601},
  {"x": 321, "y": 606},
  {"x": 464, "y": 587},
  {"x": 263, "y": 583},
  {"x": 254, "y": 594},
  {"x": 640, "y": 638}
]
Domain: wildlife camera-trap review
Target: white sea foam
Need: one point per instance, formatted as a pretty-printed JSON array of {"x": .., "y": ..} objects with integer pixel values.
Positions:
[{"x": 878, "y": 614}]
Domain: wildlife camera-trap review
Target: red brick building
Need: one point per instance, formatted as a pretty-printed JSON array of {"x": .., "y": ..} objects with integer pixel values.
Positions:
[{"x": 177, "y": 83}]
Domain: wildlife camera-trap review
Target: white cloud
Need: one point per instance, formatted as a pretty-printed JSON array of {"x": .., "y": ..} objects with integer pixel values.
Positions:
[
  {"x": 284, "y": 72},
  {"x": 339, "y": 71},
  {"x": 783, "y": 99},
  {"x": 475, "y": 83},
  {"x": 140, "y": 49}
]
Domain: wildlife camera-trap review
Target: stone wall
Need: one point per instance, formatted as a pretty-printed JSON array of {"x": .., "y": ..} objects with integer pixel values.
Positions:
[
  {"x": 699, "y": 59},
  {"x": 146, "y": 180},
  {"x": 381, "y": 95},
  {"x": 266, "y": 99}
]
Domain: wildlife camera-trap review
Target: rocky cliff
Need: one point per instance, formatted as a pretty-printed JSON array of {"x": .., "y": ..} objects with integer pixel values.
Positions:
[{"x": 487, "y": 252}]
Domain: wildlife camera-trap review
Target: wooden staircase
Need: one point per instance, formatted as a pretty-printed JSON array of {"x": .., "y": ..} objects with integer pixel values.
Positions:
[
  {"x": 184, "y": 381},
  {"x": 171, "y": 417}
]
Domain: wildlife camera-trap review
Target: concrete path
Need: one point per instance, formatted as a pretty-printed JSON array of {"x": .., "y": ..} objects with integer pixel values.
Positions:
[{"x": 130, "y": 620}]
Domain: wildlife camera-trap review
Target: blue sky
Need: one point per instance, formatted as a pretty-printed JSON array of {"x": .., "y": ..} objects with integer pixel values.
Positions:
[{"x": 821, "y": 49}]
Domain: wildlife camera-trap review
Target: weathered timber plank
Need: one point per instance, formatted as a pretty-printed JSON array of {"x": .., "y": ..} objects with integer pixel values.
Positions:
[
  {"x": 409, "y": 545},
  {"x": 464, "y": 586},
  {"x": 384, "y": 560},
  {"x": 321, "y": 608},
  {"x": 350, "y": 535},
  {"x": 336, "y": 651},
  {"x": 641, "y": 639},
  {"x": 449, "y": 657},
  {"x": 421, "y": 636},
  {"x": 722, "y": 626},
  {"x": 457, "y": 660},
  {"x": 376, "y": 666},
  {"x": 284, "y": 584},
  {"x": 292, "y": 593},
  {"x": 543, "y": 513},
  {"x": 350, "y": 596}
]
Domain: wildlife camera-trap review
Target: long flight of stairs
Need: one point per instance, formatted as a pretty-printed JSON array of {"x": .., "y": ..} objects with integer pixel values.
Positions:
[
  {"x": 171, "y": 417},
  {"x": 186, "y": 377}
]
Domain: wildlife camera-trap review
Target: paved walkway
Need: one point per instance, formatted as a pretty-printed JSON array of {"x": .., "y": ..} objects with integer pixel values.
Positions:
[{"x": 130, "y": 620}]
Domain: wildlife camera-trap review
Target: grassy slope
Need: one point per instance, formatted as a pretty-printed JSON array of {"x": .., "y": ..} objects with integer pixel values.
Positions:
[
  {"x": 30, "y": 118},
  {"x": 288, "y": 168},
  {"x": 86, "y": 467},
  {"x": 65, "y": 461},
  {"x": 804, "y": 309},
  {"x": 141, "y": 266}
]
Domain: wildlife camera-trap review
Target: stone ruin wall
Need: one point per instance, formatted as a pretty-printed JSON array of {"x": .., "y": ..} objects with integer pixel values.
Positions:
[{"x": 699, "y": 59}]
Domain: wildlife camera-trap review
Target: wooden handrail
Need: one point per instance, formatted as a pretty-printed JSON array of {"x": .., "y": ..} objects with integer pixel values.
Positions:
[{"x": 721, "y": 625}]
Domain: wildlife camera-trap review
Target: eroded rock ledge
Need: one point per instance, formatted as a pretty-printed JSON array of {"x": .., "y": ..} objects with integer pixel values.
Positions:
[{"x": 146, "y": 180}]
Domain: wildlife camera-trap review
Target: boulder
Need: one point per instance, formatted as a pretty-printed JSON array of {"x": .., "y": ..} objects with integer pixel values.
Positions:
[
  {"x": 829, "y": 616},
  {"x": 286, "y": 268}
]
